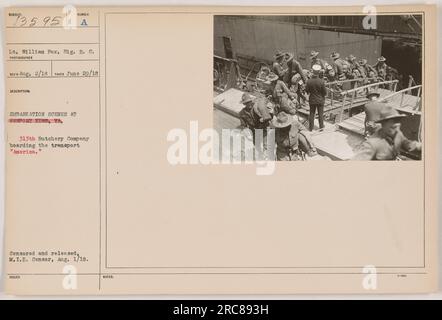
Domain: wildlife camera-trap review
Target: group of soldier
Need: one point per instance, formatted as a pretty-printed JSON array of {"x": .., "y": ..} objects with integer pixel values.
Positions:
[
  {"x": 339, "y": 69},
  {"x": 290, "y": 85},
  {"x": 350, "y": 68},
  {"x": 292, "y": 76}
]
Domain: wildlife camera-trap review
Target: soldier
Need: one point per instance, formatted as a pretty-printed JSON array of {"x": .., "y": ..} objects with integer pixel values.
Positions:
[
  {"x": 366, "y": 68},
  {"x": 290, "y": 136},
  {"x": 381, "y": 67},
  {"x": 351, "y": 59},
  {"x": 357, "y": 70},
  {"x": 384, "y": 71},
  {"x": 297, "y": 87},
  {"x": 372, "y": 113},
  {"x": 308, "y": 74},
  {"x": 278, "y": 67},
  {"x": 330, "y": 74},
  {"x": 338, "y": 63},
  {"x": 388, "y": 141},
  {"x": 315, "y": 60},
  {"x": 283, "y": 96},
  {"x": 346, "y": 73},
  {"x": 246, "y": 115},
  {"x": 373, "y": 78},
  {"x": 293, "y": 67},
  {"x": 255, "y": 114},
  {"x": 284, "y": 66},
  {"x": 356, "y": 74}
]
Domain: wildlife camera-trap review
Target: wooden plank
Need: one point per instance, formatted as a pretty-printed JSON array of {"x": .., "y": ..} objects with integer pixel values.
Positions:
[
  {"x": 230, "y": 101},
  {"x": 358, "y": 130},
  {"x": 337, "y": 145},
  {"x": 223, "y": 120},
  {"x": 360, "y": 116},
  {"x": 350, "y": 121},
  {"x": 354, "y": 122}
]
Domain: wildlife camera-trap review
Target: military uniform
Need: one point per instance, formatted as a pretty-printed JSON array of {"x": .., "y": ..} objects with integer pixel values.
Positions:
[
  {"x": 338, "y": 65},
  {"x": 353, "y": 64},
  {"x": 256, "y": 115},
  {"x": 381, "y": 69},
  {"x": 320, "y": 62},
  {"x": 287, "y": 140},
  {"x": 280, "y": 89},
  {"x": 287, "y": 67},
  {"x": 247, "y": 118},
  {"x": 262, "y": 111},
  {"x": 384, "y": 71},
  {"x": 366, "y": 68},
  {"x": 279, "y": 70},
  {"x": 372, "y": 114},
  {"x": 297, "y": 88},
  {"x": 382, "y": 147},
  {"x": 293, "y": 68},
  {"x": 284, "y": 97}
]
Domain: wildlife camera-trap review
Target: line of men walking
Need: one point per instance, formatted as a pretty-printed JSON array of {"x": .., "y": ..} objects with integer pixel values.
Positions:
[
  {"x": 293, "y": 82},
  {"x": 351, "y": 68}
]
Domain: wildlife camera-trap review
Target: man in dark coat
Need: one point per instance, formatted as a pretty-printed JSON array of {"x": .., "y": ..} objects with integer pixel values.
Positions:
[{"x": 317, "y": 91}]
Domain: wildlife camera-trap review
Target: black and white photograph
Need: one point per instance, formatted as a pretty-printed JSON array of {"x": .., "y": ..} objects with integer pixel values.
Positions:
[{"x": 329, "y": 87}]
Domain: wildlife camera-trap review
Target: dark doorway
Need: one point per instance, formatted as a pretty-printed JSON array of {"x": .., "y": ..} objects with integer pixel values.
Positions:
[{"x": 406, "y": 58}]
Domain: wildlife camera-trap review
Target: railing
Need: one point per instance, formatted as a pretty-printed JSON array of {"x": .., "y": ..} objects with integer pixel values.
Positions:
[
  {"x": 415, "y": 109},
  {"x": 407, "y": 91},
  {"x": 353, "y": 92},
  {"x": 332, "y": 93},
  {"x": 411, "y": 81},
  {"x": 374, "y": 84},
  {"x": 226, "y": 73},
  {"x": 357, "y": 80}
]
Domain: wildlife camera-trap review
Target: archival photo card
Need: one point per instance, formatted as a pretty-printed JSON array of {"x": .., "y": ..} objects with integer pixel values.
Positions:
[{"x": 149, "y": 150}]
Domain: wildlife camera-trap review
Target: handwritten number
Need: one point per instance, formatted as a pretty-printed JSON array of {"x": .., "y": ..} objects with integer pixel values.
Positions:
[
  {"x": 22, "y": 21},
  {"x": 56, "y": 21},
  {"x": 46, "y": 20},
  {"x": 33, "y": 22}
]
